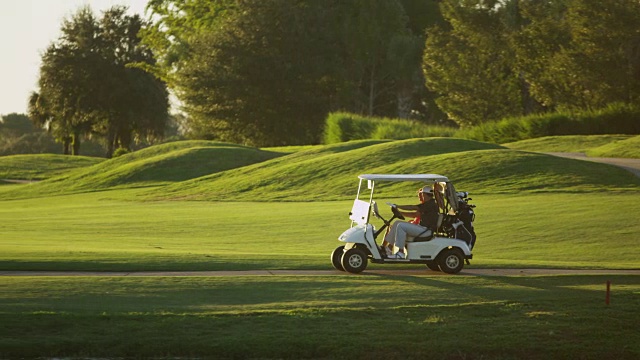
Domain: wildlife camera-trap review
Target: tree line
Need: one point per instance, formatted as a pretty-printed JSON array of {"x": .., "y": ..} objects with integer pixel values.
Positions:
[
  {"x": 497, "y": 59},
  {"x": 267, "y": 72},
  {"x": 92, "y": 83}
]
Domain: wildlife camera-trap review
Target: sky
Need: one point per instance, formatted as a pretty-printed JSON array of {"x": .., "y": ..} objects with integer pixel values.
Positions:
[{"x": 27, "y": 28}]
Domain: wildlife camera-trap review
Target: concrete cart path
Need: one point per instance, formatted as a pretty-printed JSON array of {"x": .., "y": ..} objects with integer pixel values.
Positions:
[
  {"x": 632, "y": 165},
  {"x": 386, "y": 272}
]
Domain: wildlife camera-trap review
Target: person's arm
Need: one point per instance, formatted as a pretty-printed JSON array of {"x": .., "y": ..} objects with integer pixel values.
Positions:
[{"x": 409, "y": 210}]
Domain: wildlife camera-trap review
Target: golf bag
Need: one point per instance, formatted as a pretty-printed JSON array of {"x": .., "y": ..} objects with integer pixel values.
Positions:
[{"x": 465, "y": 230}]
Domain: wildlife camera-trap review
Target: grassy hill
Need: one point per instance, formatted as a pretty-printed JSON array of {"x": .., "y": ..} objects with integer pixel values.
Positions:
[
  {"x": 41, "y": 166},
  {"x": 201, "y": 170},
  {"x": 623, "y": 148},
  {"x": 569, "y": 143},
  {"x": 473, "y": 166},
  {"x": 323, "y": 173},
  {"x": 156, "y": 165}
]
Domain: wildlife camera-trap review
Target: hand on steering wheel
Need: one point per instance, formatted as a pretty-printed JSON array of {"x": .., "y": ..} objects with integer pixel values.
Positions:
[{"x": 396, "y": 212}]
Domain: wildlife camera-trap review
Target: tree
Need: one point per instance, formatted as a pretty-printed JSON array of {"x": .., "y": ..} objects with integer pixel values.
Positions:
[
  {"x": 261, "y": 78},
  {"x": 404, "y": 55},
  {"x": 379, "y": 54},
  {"x": 581, "y": 53},
  {"x": 176, "y": 25},
  {"x": 14, "y": 124},
  {"x": 495, "y": 59},
  {"x": 69, "y": 68},
  {"x": 18, "y": 135},
  {"x": 135, "y": 102},
  {"x": 469, "y": 64},
  {"x": 269, "y": 71},
  {"x": 89, "y": 83},
  {"x": 414, "y": 99}
]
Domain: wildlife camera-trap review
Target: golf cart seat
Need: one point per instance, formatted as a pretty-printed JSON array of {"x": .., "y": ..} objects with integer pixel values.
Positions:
[{"x": 423, "y": 238}]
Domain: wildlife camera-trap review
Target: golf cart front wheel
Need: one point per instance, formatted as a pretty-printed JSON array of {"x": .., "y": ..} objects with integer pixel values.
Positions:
[
  {"x": 336, "y": 258},
  {"x": 354, "y": 260},
  {"x": 451, "y": 261}
]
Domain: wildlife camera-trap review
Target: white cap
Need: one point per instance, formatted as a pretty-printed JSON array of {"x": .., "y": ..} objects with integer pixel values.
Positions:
[{"x": 427, "y": 189}]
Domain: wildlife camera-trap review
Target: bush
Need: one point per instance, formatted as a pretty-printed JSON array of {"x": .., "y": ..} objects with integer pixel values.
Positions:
[
  {"x": 341, "y": 127},
  {"x": 119, "y": 152},
  {"x": 614, "y": 119},
  {"x": 29, "y": 143}
]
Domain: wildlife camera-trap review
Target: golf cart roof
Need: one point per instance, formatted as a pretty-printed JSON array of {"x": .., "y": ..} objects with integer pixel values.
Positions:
[{"x": 404, "y": 177}]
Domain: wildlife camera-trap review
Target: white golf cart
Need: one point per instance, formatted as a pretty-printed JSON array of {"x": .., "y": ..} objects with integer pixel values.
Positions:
[{"x": 445, "y": 249}]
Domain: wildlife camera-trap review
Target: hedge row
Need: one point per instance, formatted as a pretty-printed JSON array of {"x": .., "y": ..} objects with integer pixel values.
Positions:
[
  {"x": 614, "y": 119},
  {"x": 341, "y": 127}
]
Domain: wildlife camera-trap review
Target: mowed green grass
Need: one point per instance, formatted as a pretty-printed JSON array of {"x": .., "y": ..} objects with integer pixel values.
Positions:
[
  {"x": 476, "y": 167},
  {"x": 533, "y": 210},
  {"x": 617, "y": 145},
  {"x": 98, "y": 231},
  {"x": 156, "y": 165},
  {"x": 320, "y": 317},
  {"x": 222, "y": 172},
  {"x": 41, "y": 166},
  {"x": 624, "y": 148}
]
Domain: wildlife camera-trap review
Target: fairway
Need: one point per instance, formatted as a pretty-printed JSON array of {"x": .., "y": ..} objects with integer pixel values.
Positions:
[
  {"x": 158, "y": 255},
  {"x": 103, "y": 231}
]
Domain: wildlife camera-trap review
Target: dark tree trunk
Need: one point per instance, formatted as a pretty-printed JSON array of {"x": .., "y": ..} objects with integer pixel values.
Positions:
[
  {"x": 76, "y": 143},
  {"x": 111, "y": 141},
  {"x": 66, "y": 145}
]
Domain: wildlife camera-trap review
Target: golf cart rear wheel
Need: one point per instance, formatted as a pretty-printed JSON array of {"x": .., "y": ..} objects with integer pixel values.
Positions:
[
  {"x": 354, "y": 260},
  {"x": 451, "y": 261},
  {"x": 336, "y": 258},
  {"x": 432, "y": 265}
]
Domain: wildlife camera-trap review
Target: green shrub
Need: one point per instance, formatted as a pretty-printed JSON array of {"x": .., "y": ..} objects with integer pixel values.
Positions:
[
  {"x": 407, "y": 129},
  {"x": 119, "y": 152},
  {"x": 614, "y": 119},
  {"x": 341, "y": 127}
]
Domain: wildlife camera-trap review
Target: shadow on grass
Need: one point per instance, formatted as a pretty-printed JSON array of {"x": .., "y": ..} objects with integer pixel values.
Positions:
[{"x": 441, "y": 317}]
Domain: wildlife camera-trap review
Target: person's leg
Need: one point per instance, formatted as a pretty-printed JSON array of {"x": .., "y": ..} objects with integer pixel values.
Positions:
[
  {"x": 390, "y": 238},
  {"x": 405, "y": 230},
  {"x": 384, "y": 238}
]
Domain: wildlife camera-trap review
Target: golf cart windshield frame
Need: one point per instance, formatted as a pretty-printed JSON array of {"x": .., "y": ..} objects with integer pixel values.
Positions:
[{"x": 361, "y": 207}]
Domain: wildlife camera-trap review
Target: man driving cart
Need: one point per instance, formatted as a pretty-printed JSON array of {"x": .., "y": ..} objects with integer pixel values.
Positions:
[{"x": 427, "y": 215}]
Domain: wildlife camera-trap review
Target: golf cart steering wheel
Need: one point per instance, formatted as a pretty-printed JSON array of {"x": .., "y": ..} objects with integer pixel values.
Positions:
[{"x": 396, "y": 212}]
